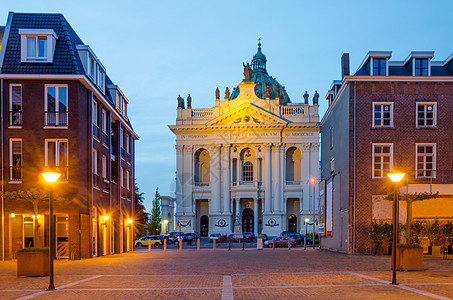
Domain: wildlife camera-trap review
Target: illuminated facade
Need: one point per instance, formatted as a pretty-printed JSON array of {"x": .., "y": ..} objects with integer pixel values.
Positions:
[
  {"x": 251, "y": 155},
  {"x": 62, "y": 111}
]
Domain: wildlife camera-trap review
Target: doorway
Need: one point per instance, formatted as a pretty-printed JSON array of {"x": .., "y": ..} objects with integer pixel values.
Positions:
[
  {"x": 292, "y": 223},
  {"x": 62, "y": 235},
  {"x": 204, "y": 226},
  {"x": 247, "y": 220}
]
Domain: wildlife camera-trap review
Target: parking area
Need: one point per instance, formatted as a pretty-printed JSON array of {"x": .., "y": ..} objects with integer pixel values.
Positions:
[{"x": 235, "y": 274}]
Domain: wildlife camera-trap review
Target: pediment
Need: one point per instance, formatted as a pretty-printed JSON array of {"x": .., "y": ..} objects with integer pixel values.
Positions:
[{"x": 247, "y": 114}]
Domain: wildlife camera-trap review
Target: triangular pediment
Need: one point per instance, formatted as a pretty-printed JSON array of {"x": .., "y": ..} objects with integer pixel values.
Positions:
[{"x": 247, "y": 114}]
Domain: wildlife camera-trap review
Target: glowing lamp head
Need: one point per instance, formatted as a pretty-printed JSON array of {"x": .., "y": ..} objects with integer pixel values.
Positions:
[
  {"x": 129, "y": 221},
  {"x": 306, "y": 220},
  {"x": 312, "y": 180},
  {"x": 105, "y": 218},
  {"x": 166, "y": 221},
  {"x": 13, "y": 215},
  {"x": 51, "y": 176},
  {"x": 396, "y": 177}
]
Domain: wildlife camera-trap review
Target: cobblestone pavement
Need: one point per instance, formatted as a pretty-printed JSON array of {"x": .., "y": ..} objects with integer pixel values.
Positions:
[{"x": 235, "y": 274}]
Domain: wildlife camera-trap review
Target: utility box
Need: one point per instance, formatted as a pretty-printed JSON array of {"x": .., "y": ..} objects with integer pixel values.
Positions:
[{"x": 259, "y": 243}]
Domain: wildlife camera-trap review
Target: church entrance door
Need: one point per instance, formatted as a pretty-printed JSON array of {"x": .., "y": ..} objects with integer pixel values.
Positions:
[
  {"x": 292, "y": 223},
  {"x": 204, "y": 226},
  {"x": 247, "y": 220}
]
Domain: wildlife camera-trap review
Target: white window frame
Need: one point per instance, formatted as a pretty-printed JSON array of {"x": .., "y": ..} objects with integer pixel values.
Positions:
[
  {"x": 429, "y": 66},
  {"x": 122, "y": 177},
  {"x": 104, "y": 166},
  {"x": 48, "y": 35},
  {"x": 433, "y": 170},
  {"x": 95, "y": 115},
  {"x": 11, "y": 105},
  {"x": 373, "y": 155},
  {"x": 57, "y": 104},
  {"x": 382, "y": 114},
  {"x": 128, "y": 178},
  {"x": 417, "y": 104},
  {"x": 95, "y": 161},
  {"x": 104, "y": 121},
  {"x": 57, "y": 154},
  {"x": 11, "y": 162},
  {"x": 128, "y": 149}
]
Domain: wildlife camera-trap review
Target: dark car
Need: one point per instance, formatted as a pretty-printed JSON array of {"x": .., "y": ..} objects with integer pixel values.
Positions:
[
  {"x": 298, "y": 237},
  {"x": 280, "y": 242},
  {"x": 248, "y": 236},
  {"x": 217, "y": 237},
  {"x": 186, "y": 236}
]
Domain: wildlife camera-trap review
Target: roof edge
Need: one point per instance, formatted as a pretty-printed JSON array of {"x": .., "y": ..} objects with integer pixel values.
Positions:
[{"x": 5, "y": 38}]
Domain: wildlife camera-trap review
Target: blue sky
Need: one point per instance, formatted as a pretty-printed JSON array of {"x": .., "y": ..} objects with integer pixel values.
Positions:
[{"x": 155, "y": 50}]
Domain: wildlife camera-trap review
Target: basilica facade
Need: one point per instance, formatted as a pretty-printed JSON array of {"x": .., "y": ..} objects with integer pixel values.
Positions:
[{"x": 252, "y": 157}]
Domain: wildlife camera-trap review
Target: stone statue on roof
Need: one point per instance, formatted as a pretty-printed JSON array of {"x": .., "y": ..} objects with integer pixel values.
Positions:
[
  {"x": 277, "y": 91},
  {"x": 217, "y": 93},
  {"x": 247, "y": 72},
  {"x": 306, "y": 97},
  {"x": 268, "y": 92},
  {"x": 227, "y": 93},
  {"x": 189, "y": 101},
  {"x": 315, "y": 98},
  {"x": 180, "y": 102}
]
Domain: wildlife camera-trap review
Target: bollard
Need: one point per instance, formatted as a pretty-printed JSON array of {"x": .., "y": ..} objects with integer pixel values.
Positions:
[
  {"x": 229, "y": 246},
  {"x": 289, "y": 244},
  {"x": 165, "y": 245},
  {"x": 243, "y": 246},
  {"x": 198, "y": 244},
  {"x": 273, "y": 244},
  {"x": 180, "y": 243},
  {"x": 149, "y": 245},
  {"x": 213, "y": 244},
  {"x": 305, "y": 243}
]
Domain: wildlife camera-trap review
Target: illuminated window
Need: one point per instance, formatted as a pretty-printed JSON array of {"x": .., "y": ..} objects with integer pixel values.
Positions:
[
  {"x": 56, "y": 156},
  {"x": 247, "y": 172},
  {"x": 382, "y": 114},
  {"x": 382, "y": 159},
  {"x": 15, "y": 104},
  {"x": 426, "y": 160},
  {"x": 15, "y": 159}
]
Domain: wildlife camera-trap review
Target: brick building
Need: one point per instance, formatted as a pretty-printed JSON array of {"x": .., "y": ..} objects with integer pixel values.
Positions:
[
  {"x": 389, "y": 115},
  {"x": 61, "y": 111}
]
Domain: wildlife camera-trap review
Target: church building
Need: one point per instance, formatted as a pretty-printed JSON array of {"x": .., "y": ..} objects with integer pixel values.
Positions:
[{"x": 251, "y": 156}]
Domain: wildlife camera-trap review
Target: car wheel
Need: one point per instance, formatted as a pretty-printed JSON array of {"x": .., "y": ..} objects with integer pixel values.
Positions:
[
  {"x": 269, "y": 245},
  {"x": 157, "y": 245},
  {"x": 138, "y": 244}
]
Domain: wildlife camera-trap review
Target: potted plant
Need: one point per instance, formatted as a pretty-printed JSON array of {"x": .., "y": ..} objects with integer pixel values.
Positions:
[
  {"x": 33, "y": 261},
  {"x": 409, "y": 257},
  {"x": 434, "y": 233}
]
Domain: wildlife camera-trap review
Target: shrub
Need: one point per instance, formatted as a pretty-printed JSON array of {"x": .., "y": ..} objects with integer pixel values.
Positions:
[
  {"x": 381, "y": 233},
  {"x": 409, "y": 246},
  {"x": 34, "y": 249}
]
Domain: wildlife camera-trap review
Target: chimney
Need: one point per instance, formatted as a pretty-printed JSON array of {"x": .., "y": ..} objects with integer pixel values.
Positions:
[{"x": 344, "y": 65}]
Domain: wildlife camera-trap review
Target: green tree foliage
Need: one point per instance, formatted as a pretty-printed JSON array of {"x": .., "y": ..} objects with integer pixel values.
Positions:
[
  {"x": 154, "y": 222},
  {"x": 381, "y": 234},
  {"x": 141, "y": 216}
]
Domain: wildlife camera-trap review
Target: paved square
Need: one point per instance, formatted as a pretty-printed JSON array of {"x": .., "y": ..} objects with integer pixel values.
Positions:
[{"x": 235, "y": 274}]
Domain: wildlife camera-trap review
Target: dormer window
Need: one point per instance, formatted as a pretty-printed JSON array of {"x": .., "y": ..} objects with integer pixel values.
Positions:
[
  {"x": 37, "y": 45},
  {"x": 379, "y": 66},
  {"x": 421, "y": 67}
]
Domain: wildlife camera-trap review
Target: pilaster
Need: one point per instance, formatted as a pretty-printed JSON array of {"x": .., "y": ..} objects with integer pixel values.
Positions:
[
  {"x": 277, "y": 180},
  {"x": 305, "y": 178},
  {"x": 188, "y": 179},
  {"x": 267, "y": 179},
  {"x": 179, "y": 179},
  {"x": 215, "y": 180},
  {"x": 226, "y": 179}
]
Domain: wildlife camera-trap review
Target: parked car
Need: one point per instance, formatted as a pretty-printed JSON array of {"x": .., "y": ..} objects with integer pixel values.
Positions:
[
  {"x": 216, "y": 236},
  {"x": 280, "y": 242},
  {"x": 194, "y": 236},
  {"x": 146, "y": 240},
  {"x": 248, "y": 236},
  {"x": 287, "y": 233},
  {"x": 263, "y": 236}
]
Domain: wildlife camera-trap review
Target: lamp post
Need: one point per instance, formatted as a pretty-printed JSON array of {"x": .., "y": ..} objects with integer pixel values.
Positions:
[
  {"x": 313, "y": 180},
  {"x": 395, "y": 178},
  {"x": 305, "y": 237},
  {"x": 51, "y": 177},
  {"x": 166, "y": 226}
]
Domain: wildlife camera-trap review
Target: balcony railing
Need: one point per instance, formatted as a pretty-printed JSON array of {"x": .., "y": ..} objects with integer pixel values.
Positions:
[
  {"x": 15, "y": 173},
  {"x": 105, "y": 138},
  {"x": 55, "y": 118},
  {"x": 123, "y": 192},
  {"x": 105, "y": 184},
  {"x": 64, "y": 173},
  {"x": 248, "y": 183},
  {"x": 123, "y": 152},
  {"x": 15, "y": 118},
  {"x": 293, "y": 110},
  {"x": 96, "y": 180},
  {"x": 201, "y": 183},
  {"x": 128, "y": 157},
  {"x": 96, "y": 131},
  {"x": 292, "y": 182},
  {"x": 202, "y": 113}
]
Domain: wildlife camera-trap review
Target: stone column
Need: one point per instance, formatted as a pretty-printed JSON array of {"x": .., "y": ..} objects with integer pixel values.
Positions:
[
  {"x": 238, "y": 207},
  {"x": 179, "y": 179},
  {"x": 305, "y": 178},
  {"x": 226, "y": 179},
  {"x": 277, "y": 179},
  {"x": 315, "y": 173},
  {"x": 214, "y": 180},
  {"x": 267, "y": 179},
  {"x": 188, "y": 179},
  {"x": 255, "y": 216}
]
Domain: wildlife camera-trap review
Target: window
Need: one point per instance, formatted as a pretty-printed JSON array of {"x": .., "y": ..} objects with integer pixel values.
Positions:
[
  {"x": 426, "y": 114},
  {"x": 94, "y": 117},
  {"x": 247, "y": 172},
  {"x": 119, "y": 101},
  {"x": 37, "y": 45},
  {"x": 382, "y": 159},
  {"x": 15, "y": 104},
  {"x": 124, "y": 108},
  {"x": 56, "y": 105},
  {"x": 379, "y": 67},
  {"x": 105, "y": 136},
  {"x": 128, "y": 150},
  {"x": 426, "y": 160},
  {"x": 421, "y": 67},
  {"x": 331, "y": 137},
  {"x": 104, "y": 166},
  {"x": 122, "y": 177},
  {"x": 128, "y": 179},
  {"x": 382, "y": 114},
  {"x": 15, "y": 159},
  {"x": 56, "y": 156},
  {"x": 95, "y": 161},
  {"x": 123, "y": 152}
]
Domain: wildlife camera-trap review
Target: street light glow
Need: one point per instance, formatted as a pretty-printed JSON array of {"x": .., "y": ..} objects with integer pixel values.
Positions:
[
  {"x": 306, "y": 220},
  {"x": 312, "y": 180},
  {"x": 129, "y": 221},
  {"x": 13, "y": 215},
  {"x": 165, "y": 221},
  {"x": 105, "y": 218},
  {"x": 51, "y": 176},
  {"x": 396, "y": 177}
]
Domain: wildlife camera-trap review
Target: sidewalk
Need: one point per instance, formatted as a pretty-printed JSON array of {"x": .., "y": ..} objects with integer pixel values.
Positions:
[{"x": 249, "y": 274}]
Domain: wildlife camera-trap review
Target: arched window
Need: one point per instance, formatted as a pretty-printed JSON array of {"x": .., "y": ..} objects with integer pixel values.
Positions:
[
  {"x": 293, "y": 163},
  {"x": 201, "y": 169},
  {"x": 247, "y": 171}
]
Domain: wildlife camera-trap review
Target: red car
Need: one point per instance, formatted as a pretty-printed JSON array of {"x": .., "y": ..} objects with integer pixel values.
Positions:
[{"x": 280, "y": 242}]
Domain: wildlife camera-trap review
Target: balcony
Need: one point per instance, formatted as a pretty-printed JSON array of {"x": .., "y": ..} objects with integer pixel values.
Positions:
[
  {"x": 128, "y": 157},
  {"x": 105, "y": 138},
  {"x": 15, "y": 118},
  {"x": 96, "y": 180},
  {"x": 55, "y": 119},
  {"x": 123, "y": 153},
  {"x": 291, "y": 182},
  {"x": 15, "y": 173},
  {"x": 201, "y": 183},
  {"x": 105, "y": 184},
  {"x": 95, "y": 131},
  {"x": 123, "y": 192}
]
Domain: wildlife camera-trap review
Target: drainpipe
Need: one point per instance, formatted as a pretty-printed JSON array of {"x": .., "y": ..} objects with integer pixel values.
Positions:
[
  {"x": 3, "y": 174},
  {"x": 355, "y": 147}
]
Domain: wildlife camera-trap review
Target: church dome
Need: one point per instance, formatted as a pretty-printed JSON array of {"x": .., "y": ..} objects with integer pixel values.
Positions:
[{"x": 262, "y": 80}]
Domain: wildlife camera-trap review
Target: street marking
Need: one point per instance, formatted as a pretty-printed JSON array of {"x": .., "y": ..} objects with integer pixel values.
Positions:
[
  {"x": 142, "y": 289},
  {"x": 404, "y": 287},
  {"x": 58, "y": 287},
  {"x": 227, "y": 288}
]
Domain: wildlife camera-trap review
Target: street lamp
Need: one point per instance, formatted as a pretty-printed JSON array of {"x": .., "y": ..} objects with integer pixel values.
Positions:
[
  {"x": 305, "y": 237},
  {"x": 395, "y": 178},
  {"x": 166, "y": 226},
  {"x": 313, "y": 180},
  {"x": 51, "y": 177}
]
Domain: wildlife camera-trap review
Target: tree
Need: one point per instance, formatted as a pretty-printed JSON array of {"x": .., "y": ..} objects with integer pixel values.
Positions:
[
  {"x": 154, "y": 222},
  {"x": 39, "y": 200},
  {"x": 141, "y": 216},
  {"x": 410, "y": 198}
]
